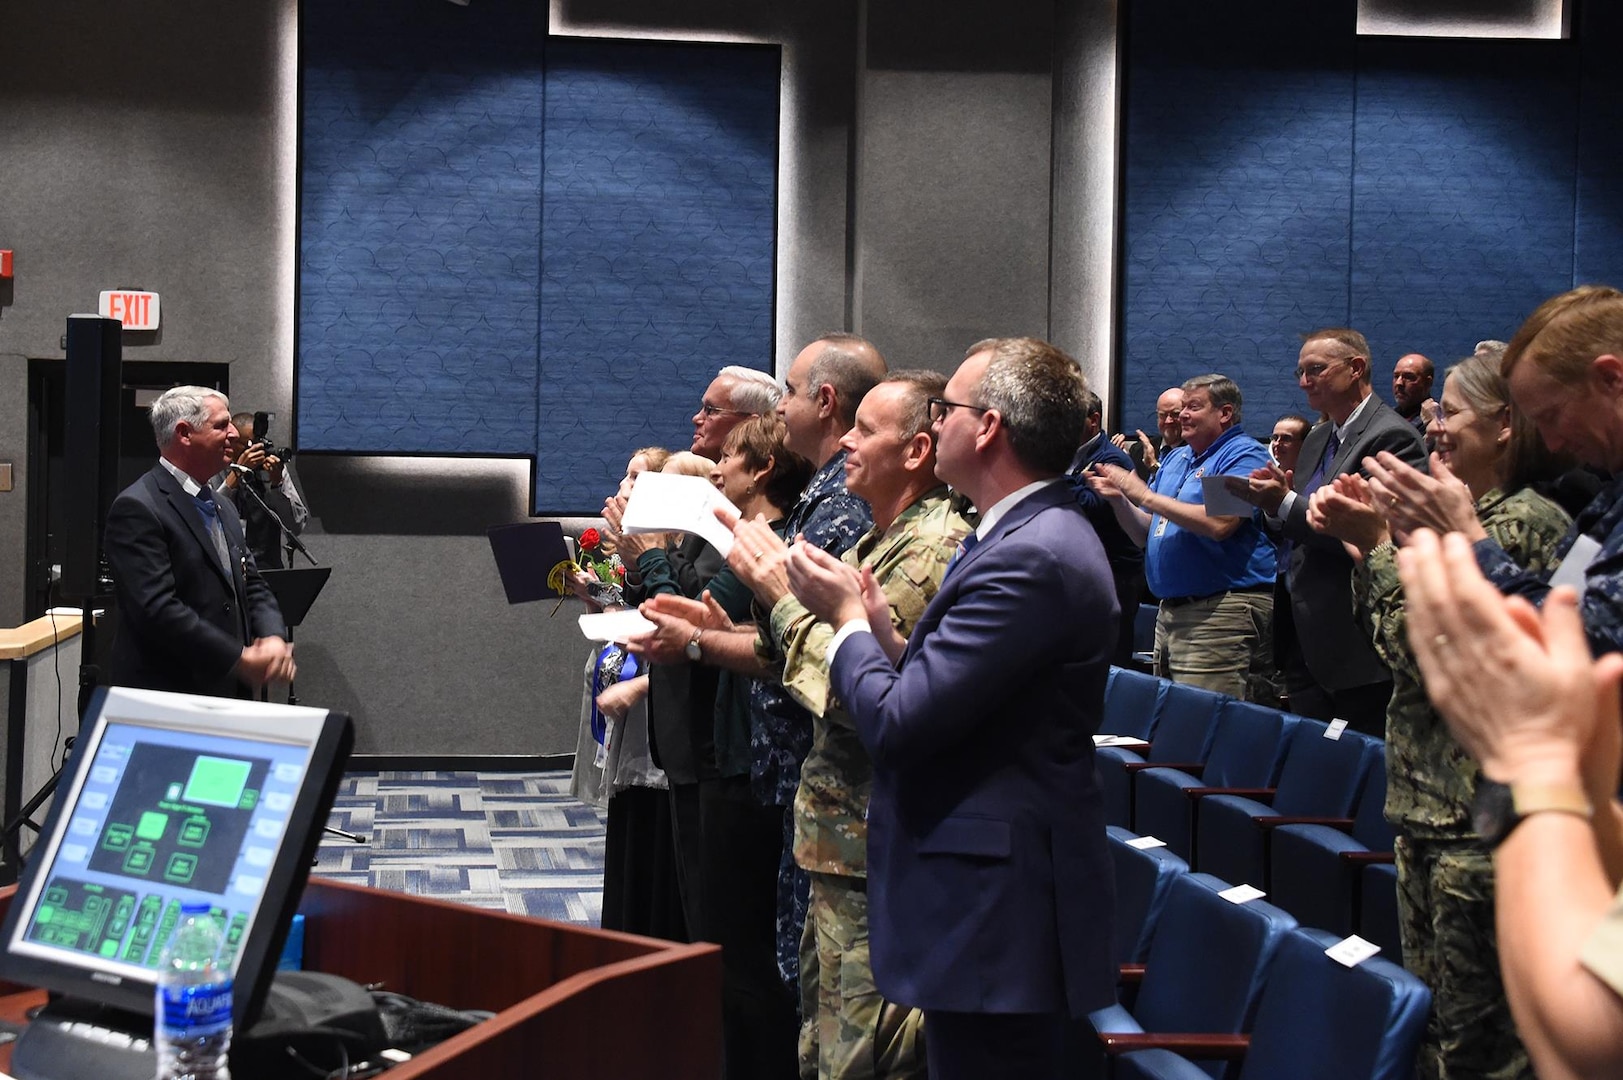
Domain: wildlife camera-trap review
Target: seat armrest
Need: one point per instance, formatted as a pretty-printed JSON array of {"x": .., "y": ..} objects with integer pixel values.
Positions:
[
  {"x": 1261, "y": 794},
  {"x": 1367, "y": 858},
  {"x": 1182, "y": 766},
  {"x": 1269, "y": 821},
  {"x": 1220, "y": 1047}
]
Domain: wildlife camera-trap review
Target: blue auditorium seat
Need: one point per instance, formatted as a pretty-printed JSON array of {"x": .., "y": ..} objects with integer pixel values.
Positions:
[
  {"x": 1144, "y": 878},
  {"x": 1132, "y": 703},
  {"x": 1183, "y": 736},
  {"x": 1378, "y": 909},
  {"x": 1318, "y": 785},
  {"x": 1207, "y": 965},
  {"x": 1317, "y": 1020},
  {"x": 1247, "y": 752},
  {"x": 1316, "y": 872}
]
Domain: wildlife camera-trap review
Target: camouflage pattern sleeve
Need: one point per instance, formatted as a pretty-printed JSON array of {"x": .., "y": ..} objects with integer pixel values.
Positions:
[{"x": 909, "y": 561}]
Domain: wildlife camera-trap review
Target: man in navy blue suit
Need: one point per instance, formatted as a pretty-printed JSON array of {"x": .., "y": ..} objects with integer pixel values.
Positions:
[
  {"x": 990, "y": 892},
  {"x": 193, "y": 614}
]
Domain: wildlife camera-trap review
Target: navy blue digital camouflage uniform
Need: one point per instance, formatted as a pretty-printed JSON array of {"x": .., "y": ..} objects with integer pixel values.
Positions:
[
  {"x": 1601, "y": 604},
  {"x": 833, "y": 519}
]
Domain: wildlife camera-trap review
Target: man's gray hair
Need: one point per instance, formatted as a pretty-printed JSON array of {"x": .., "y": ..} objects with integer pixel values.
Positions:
[
  {"x": 754, "y": 392},
  {"x": 851, "y": 365},
  {"x": 1221, "y": 389},
  {"x": 188, "y": 404},
  {"x": 1038, "y": 390}
]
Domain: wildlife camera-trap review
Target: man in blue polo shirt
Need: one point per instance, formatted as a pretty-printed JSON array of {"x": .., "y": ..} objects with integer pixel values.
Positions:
[{"x": 1215, "y": 575}]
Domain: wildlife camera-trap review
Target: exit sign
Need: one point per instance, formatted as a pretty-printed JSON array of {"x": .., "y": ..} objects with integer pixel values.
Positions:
[{"x": 136, "y": 310}]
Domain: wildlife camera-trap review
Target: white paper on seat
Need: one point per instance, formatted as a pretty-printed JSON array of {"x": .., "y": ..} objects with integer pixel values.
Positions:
[
  {"x": 1144, "y": 843},
  {"x": 1119, "y": 740},
  {"x": 1242, "y": 894},
  {"x": 1334, "y": 728},
  {"x": 1352, "y": 951},
  {"x": 1220, "y": 502},
  {"x": 617, "y": 626},
  {"x": 670, "y": 502}
]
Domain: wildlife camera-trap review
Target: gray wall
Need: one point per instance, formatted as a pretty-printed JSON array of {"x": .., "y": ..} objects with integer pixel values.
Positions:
[{"x": 918, "y": 157}]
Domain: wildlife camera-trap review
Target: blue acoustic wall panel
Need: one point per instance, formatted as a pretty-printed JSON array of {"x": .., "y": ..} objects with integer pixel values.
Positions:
[
  {"x": 1598, "y": 242},
  {"x": 420, "y": 227},
  {"x": 1463, "y": 192},
  {"x": 1476, "y": 179},
  {"x": 519, "y": 246},
  {"x": 658, "y": 231},
  {"x": 1238, "y": 168}
]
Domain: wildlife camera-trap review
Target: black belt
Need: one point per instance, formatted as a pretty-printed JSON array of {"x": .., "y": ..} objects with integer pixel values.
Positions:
[{"x": 1179, "y": 601}]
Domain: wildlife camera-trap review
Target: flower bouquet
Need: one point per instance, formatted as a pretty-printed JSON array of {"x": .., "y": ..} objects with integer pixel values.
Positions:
[{"x": 606, "y": 569}]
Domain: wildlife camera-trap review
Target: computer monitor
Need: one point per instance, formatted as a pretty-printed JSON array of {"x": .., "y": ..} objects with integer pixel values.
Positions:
[{"x": 168, "y": 799}]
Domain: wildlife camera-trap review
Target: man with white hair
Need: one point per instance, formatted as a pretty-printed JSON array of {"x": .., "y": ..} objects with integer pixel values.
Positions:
[{"x": 192, "y": 615}]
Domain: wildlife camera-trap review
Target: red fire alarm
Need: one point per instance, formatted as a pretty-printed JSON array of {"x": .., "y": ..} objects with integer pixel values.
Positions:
[{"x": 5, "y": 265}]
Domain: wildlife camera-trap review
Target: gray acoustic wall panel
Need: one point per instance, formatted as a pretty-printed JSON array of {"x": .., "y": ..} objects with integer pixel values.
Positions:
[{"x": 952, "y": 193}]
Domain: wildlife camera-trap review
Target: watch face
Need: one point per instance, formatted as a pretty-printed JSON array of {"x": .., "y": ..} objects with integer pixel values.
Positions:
[
  {"x": 1493, "y": 811},
  {"x": 694, "y": 652}
]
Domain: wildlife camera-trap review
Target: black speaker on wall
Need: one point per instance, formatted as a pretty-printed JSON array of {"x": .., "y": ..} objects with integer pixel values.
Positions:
[{"x": 95, "y": 362}]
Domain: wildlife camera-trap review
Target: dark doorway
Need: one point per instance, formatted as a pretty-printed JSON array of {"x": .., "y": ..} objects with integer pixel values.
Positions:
[{"x": 141, "y": 381}]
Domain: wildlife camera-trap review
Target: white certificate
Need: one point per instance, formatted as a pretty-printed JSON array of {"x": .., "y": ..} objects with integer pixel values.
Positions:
[{"x": 671, "y": 502}]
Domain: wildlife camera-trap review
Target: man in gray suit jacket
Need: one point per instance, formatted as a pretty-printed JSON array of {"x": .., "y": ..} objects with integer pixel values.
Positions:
[{"x": 1342, "y": 676}]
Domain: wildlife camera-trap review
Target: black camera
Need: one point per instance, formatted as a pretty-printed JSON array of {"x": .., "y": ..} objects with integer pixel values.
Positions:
[{"x": 262, "y": 438}]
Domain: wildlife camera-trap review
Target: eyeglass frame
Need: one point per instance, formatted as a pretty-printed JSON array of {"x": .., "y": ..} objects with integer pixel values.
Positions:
[
  {"x": 1307, "y": 372},
  {"x": 710, "y": 410},
  {"x": 938, "y": 407}
]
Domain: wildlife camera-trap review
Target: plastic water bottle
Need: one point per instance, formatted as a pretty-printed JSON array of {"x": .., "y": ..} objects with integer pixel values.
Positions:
[{"x": 192, "y": 1017}]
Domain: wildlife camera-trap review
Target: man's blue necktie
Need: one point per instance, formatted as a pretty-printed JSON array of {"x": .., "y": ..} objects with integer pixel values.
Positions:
[
  {"x": 211, "y": 522},
  {"x": 965, "y": 546}
]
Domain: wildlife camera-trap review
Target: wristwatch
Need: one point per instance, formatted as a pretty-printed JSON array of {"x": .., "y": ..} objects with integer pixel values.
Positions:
[
  {"x": 695, "y": 653},
  {"x": 1498, "y": 808}
]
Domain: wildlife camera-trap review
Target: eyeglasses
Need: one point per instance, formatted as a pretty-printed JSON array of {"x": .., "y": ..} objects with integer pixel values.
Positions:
[
  {"x": 1170, "y": 414},
  {"x": 939, "y": 406},
  {"x": 1314, "y": 372},
  {"x": 1283, "y": 437},
  {"x": 710, "y": 410}
]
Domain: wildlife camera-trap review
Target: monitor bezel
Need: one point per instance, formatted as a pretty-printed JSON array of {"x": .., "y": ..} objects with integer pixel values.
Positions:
[{"x": 329, "y": 736}]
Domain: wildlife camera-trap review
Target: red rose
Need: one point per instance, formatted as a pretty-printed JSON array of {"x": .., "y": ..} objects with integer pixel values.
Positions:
[
  {"x": 619, "y": 571},
  {"x": 589, "y": 540}
]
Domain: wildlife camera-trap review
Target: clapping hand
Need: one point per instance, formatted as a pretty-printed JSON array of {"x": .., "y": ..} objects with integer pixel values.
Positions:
[
  {"x": 1516, "y": 685},
  {"x": 829, "y": 588},
  {"x": 759, "y": 557},
  {"x": 1412, "y": 500},
  {"x": 1345, "y": 509},
  {"x": 1265, "y": 487}
]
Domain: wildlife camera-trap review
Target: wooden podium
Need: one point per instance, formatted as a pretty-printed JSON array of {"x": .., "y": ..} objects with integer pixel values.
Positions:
[{"x": 570, "y": 1002}]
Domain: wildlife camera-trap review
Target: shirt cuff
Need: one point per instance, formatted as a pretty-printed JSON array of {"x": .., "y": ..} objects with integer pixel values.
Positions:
[
  {"x": 1285, "y": 505},
  {"x": 855, "y": 626}
]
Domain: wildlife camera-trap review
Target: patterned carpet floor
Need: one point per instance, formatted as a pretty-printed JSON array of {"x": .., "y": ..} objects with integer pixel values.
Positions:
[{"x": 516, "y": 842}]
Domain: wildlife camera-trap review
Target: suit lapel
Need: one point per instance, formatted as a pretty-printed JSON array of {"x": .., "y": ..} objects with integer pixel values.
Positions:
[
  {"x": 1022, "y": 512},
  {"x": 1352, "y": 439},
  {"x": 184, "y": 507}
]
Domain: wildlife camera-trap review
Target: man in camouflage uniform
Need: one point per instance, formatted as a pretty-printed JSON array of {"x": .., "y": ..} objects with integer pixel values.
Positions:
[{"x": 848, "y": 1030}]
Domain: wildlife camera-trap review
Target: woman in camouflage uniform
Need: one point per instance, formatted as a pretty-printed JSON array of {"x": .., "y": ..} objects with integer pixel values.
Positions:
[{"x": 1445, "y": 876}]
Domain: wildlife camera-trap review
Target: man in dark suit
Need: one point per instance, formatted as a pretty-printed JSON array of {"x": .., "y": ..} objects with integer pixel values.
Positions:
[
  {"x": 990, "y": 892},
  {"x": 1341, "y": 675},
  {"x": 193, "y": 614}
]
